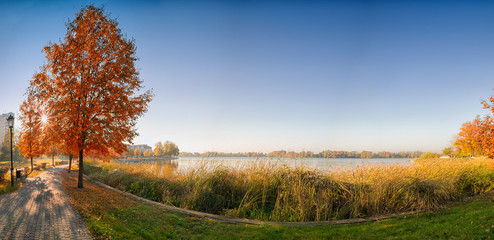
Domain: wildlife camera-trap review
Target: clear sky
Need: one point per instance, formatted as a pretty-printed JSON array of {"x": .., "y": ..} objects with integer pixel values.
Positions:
[{"x": 298, "y": 75}]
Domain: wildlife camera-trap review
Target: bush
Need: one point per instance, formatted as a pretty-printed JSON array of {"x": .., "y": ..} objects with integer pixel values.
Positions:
[
  {"x": 429, "y": 155},
  {"x": 3, "y": 173},
  {"x": 475, "y": 182},
  {"x": 423, "y": 194}
]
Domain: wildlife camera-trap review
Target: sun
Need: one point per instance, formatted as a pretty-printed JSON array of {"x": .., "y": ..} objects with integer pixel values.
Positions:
[{"x": 44, "y": 119}]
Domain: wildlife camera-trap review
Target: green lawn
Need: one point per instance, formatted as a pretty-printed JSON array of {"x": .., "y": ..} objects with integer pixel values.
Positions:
[
  {"x": 125, "y": 218},
  {"x": 471, "y": 221}
]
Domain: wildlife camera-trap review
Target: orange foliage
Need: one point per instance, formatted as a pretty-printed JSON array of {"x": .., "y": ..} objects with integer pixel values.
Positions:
[
  {"x": 91, "y": 83},
  {"x": 30, "y": 137},
  {"x": 476, "y": 138}
]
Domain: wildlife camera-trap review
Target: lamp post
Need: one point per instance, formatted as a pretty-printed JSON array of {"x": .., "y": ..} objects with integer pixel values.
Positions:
[{"x": 10, "y": 120}]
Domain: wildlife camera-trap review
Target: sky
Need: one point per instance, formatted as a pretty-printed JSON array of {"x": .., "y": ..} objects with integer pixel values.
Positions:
[{"x": 238, "y": 76}]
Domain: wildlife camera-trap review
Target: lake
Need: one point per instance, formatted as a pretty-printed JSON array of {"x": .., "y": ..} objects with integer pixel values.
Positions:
[{"x": 323, "y": 164}]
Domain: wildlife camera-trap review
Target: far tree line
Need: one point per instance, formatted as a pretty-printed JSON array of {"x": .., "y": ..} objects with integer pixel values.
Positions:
[{"x": 309, "y": 154}]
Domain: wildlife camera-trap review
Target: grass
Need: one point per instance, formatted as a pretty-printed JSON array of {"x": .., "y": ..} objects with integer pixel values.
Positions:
[
  {"x": 26, "y": 163},
  {"x": 110, "y": 215},
  {"x": 279, "y": 193},
  {"x": 5, "y": 186}
]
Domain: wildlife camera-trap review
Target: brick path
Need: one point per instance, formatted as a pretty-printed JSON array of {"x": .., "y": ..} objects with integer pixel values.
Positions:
[{"x": 40, "y": 210}]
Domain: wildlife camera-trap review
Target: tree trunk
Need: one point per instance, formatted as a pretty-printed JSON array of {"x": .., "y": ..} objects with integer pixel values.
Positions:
[
  {"x": 53, "y": 159},
  {"x": 32, "y": 165},
  {"x": 81, "y": 168},
  {"x": 70, "y": 161}
]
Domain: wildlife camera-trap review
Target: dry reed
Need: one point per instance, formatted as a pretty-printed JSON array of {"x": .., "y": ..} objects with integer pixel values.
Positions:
[{"x": 275, "y": 192}]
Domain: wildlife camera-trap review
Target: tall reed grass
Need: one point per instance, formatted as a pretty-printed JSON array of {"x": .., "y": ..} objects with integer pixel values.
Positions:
[{"x": 274, "y": 192}]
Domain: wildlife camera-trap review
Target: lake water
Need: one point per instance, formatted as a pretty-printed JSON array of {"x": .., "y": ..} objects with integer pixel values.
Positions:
[{"x": 323, "y": 164}]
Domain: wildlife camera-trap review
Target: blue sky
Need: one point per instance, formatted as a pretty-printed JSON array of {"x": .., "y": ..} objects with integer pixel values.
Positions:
[{"x": 296, "y": 75}]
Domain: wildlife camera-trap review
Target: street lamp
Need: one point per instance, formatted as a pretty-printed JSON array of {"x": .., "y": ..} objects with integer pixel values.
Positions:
[{"x": 10, "y": 120}]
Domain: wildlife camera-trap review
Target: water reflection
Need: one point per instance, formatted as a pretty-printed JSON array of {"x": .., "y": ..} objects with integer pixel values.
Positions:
[{"x": 321, "y": 164}]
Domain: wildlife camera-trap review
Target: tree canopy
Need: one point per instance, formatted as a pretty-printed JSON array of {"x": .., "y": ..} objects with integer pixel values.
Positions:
[
  {"x": 168, "y": 149},
  {"x": 31, "y": 134},
  {"x": 92, "y": 85},
  {"x": 476, "y": 137}
]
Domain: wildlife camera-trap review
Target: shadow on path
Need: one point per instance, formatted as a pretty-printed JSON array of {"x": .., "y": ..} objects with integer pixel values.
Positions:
[{"x": 40, "y": 210}]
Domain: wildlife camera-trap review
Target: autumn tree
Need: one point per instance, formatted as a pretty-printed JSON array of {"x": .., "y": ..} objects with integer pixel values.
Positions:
[
  {"x": 170, "y": 149},
  {"x": 148, "y": 153},
  {"x": 130, "y": 152},
  {"x": 51, "y": 142},
  {"x": 476, "y": 138},
  {"x": 67, "y": 150},
  {"x": 137, "y": 153},
  {"x": 91, "y": 81},
  {"x": 448, "y": 151},
  {"x": 158, "y": 149},
  {"x": 488, "y": 129},
  {"x": 31, "y": 135}
]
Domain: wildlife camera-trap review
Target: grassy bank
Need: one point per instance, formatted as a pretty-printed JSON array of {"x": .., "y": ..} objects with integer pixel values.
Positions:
[
  {"x": 5, "y": 185},
  {"x": 110, "y": 215},
  {"x": 278, "y": 193}
]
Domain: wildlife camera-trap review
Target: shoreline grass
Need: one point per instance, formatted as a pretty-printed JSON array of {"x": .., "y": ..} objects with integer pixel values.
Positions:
[
  {"x": 110, "y": 215},
  {"x": 279, "y": 193}
]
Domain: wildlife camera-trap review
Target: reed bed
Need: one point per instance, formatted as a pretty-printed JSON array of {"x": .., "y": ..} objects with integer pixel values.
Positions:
[{"x": 276, "y": 192}]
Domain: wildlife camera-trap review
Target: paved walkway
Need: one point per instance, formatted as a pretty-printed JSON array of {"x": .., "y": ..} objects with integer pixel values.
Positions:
[{"x": 40, "y": 210}]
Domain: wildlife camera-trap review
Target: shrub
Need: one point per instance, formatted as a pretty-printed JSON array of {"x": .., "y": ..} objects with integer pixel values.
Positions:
[
  {"x": 474, "y": 182},
  {"x": 422, "y": 194},
  {"x": 3, "y": 173},
  {"x": 429, "y": 155}
]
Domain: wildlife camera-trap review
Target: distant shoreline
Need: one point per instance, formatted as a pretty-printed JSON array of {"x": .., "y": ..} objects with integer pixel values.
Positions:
[
  {"x": 266, "y": 157},
  {"x": 133, "y": 160}
]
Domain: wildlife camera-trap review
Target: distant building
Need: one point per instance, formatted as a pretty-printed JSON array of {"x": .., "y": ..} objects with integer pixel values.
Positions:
[
  {"x": 4, "y": 125},
  {"x": 141, "y": 147}
]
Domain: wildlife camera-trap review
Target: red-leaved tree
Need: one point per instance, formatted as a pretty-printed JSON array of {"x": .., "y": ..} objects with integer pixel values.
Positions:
[
  {"x": 31, "y": 134},
  {"x": 92, "y": 84},
  {"x": 476, "y": 138}
]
